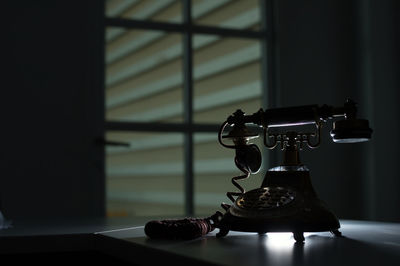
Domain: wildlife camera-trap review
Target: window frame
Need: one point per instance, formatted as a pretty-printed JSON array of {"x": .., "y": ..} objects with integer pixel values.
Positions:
[{"x": 269, "y": 79}]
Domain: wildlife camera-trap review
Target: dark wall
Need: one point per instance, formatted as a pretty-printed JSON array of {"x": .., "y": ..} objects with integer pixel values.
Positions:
[
  {"x": 332, "y": 50},
  {"x": 379, "y": 82},
  {"x": 52, "y": 109},
  {"x": 317, "y": 67},
  {"x": 52, "y": 103}
]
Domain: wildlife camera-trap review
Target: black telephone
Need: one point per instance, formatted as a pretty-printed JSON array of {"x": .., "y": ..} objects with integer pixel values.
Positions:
[{"x": 286, "y": 200}]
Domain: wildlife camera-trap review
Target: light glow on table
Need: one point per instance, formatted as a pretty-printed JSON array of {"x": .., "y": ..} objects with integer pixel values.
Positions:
[{"x": 281, "y": 242}]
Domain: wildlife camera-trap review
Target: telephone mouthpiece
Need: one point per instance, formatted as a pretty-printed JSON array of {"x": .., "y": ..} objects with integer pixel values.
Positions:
[{"x": 351, "y": 131}]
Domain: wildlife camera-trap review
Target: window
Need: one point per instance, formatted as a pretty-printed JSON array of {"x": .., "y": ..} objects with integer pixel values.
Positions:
[{"x": 174, "y": 71}]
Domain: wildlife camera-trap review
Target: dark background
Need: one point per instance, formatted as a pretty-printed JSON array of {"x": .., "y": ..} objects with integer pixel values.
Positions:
[{"x": 52, "y": 103}]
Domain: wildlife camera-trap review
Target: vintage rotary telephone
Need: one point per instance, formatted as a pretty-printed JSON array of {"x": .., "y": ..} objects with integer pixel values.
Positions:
[{"x": 286, "y": 200}]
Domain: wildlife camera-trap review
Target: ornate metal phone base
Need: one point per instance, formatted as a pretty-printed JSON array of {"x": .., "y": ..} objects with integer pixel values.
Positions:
[{"x": 286, "y": 202}]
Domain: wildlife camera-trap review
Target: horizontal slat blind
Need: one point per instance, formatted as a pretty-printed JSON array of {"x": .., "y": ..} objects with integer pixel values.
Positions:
[{"x": 144, "y": 83}]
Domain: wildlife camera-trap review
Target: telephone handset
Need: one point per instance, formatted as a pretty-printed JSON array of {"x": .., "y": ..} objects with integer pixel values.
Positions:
[{"x": 286, "y": 200}]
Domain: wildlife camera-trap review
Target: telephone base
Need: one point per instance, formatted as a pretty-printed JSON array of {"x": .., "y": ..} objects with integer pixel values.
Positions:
[{"x": 286, "y": 202}]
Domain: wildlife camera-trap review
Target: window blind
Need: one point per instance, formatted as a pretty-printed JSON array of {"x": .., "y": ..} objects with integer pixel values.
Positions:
[{"x": 144, "y": 83}]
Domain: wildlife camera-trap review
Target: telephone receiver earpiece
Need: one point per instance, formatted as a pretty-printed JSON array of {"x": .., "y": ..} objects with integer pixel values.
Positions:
[{"x": 248, "y": 157}]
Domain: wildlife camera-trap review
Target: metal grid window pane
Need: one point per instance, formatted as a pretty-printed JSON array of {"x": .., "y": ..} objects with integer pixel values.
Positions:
[
  {"x": 237, "y": 14},
  {"x": 202, "y": 52},
  {"x": 145, "y": 179},
  {"x": 144, "y": 77},
  {"x": 226, "y": 77},
  {"x": 156, "y": 10}
]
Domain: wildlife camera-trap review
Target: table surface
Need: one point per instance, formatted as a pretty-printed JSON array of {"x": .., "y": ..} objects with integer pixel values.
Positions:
[
  {"x": 363, "y": 242},
  {"x": 367, "y": 243}
]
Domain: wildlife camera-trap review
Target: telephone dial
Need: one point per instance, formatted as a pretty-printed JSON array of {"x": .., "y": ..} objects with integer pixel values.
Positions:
[{"x": 286, "y": 200}]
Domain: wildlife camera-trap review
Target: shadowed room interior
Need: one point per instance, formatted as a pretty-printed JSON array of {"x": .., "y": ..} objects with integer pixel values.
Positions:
[{"x": 80, "y": 90}]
